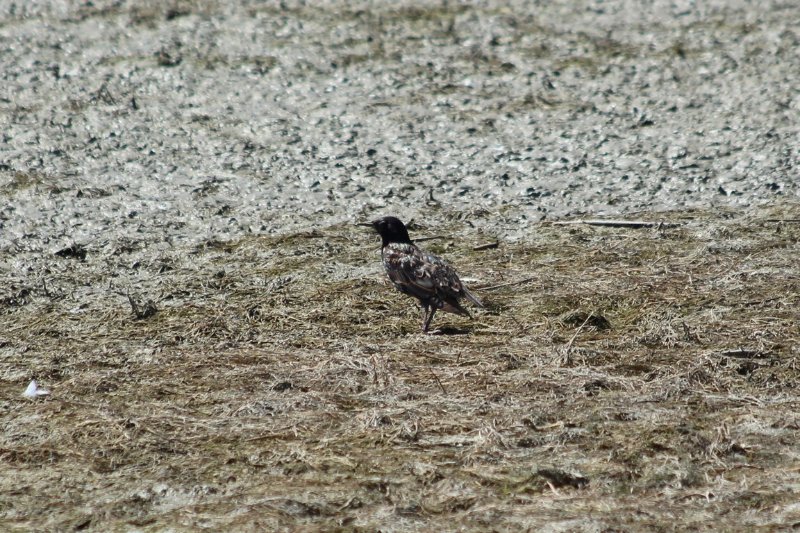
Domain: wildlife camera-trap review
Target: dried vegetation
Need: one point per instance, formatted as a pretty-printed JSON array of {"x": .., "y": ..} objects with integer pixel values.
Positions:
[{"x": 636, "y": 379}]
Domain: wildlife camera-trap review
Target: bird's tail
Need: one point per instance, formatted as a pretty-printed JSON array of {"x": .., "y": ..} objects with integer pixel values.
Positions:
[{"x": 472, "y": 298}]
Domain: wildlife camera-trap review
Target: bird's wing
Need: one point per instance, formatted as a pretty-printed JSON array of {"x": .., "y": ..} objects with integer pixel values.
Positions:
[
  {"x": 444, "y": 276},
  {"x": 407, "y": 269},
  {"x": 425, "y": 276},
  {"x": 448, "y": 286}
]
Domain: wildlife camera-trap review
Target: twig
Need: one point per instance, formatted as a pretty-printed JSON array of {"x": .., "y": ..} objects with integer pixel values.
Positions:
[
  {"x": 437, "y": 380},
  {"x": 147, "y": 310},
  {"x": 434, "y": 237},
  {"x": 518, "y": 323},
  {"x": 277, "y": 435},
  {"x": 487, "y": 246},
  {"x": 431, "y": 199},
  {"x": 744, "y": 353},
  {"x": 436, "y": 359},
  {"x": 633, "y": 224},
  {"x": 569, "y": 344},
  {"x": 509, "y": 284}
]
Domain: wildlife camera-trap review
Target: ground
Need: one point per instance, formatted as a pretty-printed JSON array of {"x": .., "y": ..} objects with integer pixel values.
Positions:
[
  {"x": 620, "y": 378},
  {"x": 180, "y": 266}
]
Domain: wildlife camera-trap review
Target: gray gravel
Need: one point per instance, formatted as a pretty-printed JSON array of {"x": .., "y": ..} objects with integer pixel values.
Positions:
[{"x": 161, "y": 123}]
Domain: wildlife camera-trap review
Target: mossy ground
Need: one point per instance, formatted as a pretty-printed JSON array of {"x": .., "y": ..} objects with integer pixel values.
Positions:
[{"x": 283, "y": 384}]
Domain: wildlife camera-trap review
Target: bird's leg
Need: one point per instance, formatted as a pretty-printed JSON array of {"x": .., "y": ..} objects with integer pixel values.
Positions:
[{"x": 427, "y": 323}]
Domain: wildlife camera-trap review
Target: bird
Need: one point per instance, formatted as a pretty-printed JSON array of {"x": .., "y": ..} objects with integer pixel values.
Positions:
[{"x": 423, "y": 275}]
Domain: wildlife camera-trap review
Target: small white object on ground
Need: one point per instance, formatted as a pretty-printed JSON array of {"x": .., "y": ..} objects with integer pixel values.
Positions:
[{"x": 33, "y": 390}]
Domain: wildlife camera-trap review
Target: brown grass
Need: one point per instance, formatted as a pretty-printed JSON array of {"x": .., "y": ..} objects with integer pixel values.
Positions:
[{"x": 282, "y": 384}]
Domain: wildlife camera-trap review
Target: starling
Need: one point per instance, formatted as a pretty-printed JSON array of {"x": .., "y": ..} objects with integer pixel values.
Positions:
[{"x": 420, "y": 274}]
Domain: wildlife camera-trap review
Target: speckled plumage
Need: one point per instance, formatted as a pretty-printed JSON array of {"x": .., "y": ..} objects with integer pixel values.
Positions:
[{"x": 420, "y": 274}]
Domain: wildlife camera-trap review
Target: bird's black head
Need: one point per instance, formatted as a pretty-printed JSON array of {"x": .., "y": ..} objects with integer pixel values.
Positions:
[{"x": 391, "y": 229}]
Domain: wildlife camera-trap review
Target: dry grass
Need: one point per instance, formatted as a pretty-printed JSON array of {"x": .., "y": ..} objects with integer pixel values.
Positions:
[{"x": 281, "y": 384}]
